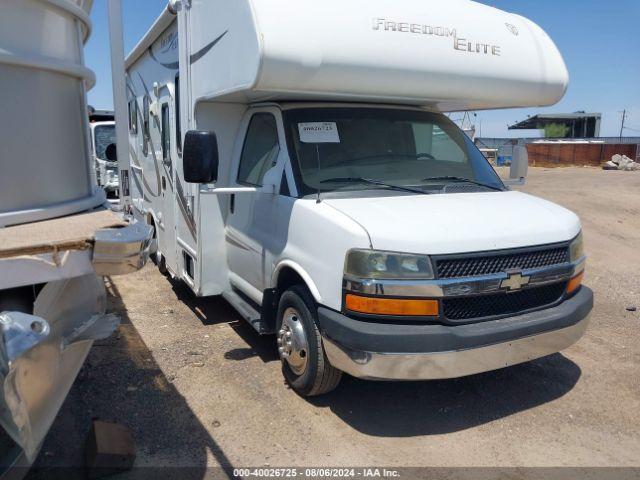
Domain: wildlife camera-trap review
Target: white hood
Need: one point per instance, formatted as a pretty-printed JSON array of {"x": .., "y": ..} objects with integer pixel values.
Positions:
[{"x": 459, "y": 223}]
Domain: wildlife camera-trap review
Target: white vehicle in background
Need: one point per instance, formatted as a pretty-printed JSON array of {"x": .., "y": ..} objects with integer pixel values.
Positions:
[
  {"x": 103, "y": 150},
  {"x": 58, "y": 237},
  {"x": 294, "y": 157}
]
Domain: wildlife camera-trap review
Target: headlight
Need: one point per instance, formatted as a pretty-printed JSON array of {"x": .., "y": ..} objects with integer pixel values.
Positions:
[
  {"x": 387, "y": 265},
  {"x": 576, "y": 249}
]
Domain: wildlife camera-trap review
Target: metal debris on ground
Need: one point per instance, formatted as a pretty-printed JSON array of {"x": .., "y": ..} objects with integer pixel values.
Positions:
[{"x": 621, "y": 162}]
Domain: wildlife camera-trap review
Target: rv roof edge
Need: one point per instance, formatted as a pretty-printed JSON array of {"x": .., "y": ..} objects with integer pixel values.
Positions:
[{"x": 159, "y": 25}]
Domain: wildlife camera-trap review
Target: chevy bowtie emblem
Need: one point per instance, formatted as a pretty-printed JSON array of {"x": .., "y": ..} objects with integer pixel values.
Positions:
[{"x": 515, "y": 281}]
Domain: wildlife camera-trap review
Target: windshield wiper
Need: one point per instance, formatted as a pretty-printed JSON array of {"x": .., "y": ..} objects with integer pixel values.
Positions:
[
  {"x": 372, "y": 181},
  {"x": 462, "y": 179}
]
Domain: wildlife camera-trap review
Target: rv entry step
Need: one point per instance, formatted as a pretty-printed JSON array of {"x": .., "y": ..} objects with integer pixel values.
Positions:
[{"x": 247, "y": 310}]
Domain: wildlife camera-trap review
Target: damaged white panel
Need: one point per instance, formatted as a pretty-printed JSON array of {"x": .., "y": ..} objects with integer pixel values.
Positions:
[
  {"x": 42, "y": 354},
  {"x": 44, "y": 267}
]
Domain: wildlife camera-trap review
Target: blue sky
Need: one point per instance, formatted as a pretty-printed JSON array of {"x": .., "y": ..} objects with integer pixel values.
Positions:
[{"x": 598, "y": 39}]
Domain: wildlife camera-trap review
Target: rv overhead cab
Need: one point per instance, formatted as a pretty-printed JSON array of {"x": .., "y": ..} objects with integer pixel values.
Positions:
[{"x": 299, "y": 163}]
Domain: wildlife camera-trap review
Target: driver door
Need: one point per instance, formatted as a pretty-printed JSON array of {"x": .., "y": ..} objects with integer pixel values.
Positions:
[{"x": 251, "y": 216}]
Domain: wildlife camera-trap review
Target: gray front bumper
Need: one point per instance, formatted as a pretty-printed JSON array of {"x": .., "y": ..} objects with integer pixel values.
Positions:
[{"x": 393, "y": 352}]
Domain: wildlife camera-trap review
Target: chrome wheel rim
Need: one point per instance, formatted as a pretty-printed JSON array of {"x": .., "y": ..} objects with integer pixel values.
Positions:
[{"x": 293, "y": 346}]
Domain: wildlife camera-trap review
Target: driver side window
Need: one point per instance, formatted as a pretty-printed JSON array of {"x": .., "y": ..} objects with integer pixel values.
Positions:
[{"x": 260, "y": 150}]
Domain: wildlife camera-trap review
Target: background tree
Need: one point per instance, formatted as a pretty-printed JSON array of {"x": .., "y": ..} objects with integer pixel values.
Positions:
[{"x": 556, "y": 130}]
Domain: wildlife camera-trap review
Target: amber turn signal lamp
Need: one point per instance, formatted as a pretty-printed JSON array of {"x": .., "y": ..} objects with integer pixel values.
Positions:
[
  {"x": 575, "y": 283},
  {"x": 392, "y": 306}
]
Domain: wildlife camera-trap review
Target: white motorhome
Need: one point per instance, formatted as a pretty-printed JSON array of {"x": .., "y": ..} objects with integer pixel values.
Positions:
[
  {"x": 294, "y": 157},
  {"x": 103, "y": 150}
]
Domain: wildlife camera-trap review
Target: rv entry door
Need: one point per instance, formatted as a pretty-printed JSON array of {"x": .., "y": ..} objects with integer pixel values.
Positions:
[{"x": 167, "y": 180}]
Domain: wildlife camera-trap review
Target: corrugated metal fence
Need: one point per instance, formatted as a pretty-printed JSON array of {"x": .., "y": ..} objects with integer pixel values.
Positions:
[
  {"x": 579, "y": 154},
  {"x": 592, "y": 152}
]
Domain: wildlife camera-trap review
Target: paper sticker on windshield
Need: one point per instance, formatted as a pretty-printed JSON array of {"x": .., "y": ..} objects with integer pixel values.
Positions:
[{"x": 319, "y": 132}]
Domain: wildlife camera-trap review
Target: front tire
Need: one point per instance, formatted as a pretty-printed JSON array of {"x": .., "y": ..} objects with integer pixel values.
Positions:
[{"x": 304, "y": 363}]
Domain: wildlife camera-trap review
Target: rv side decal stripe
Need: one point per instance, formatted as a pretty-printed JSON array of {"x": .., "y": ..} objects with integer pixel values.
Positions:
[
  {"x": 134, "y": 174},
  {"x": 192, "y": 59},
  {"x": 202, "y": 52},
  {"x": 170, "y": 66},
  {"x": 152, "y": 149},
  {"x": 136, "y": 163},
  {"x": 133, "y": 154},
  {"x": 184, "y": 209},
  {"x": 148, "y": 94}
]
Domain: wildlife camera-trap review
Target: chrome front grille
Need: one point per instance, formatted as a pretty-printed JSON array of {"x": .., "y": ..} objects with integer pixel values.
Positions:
[{"x": 488, "y": 264}]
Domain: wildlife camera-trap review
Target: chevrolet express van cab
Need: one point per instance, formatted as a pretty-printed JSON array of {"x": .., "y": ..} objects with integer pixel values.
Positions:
[{"x": 295, "y": 158}]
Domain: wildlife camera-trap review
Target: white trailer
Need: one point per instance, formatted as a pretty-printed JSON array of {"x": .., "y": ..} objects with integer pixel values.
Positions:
[
  {"x": 58, "y": 236},
  {"x": 102, "y": 128},
  {"x": 103, "y": 153},
  {"x": 293, "y": 157}
]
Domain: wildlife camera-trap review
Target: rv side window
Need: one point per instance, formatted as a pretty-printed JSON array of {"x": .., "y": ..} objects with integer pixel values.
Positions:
[
  {"x": 165, "y": 134},
  {"x": 146, "y": 134},
  {"x": 133, "y": 117},
  {"x": 260, "y": 151},
  {"x": 178, "y": 126}
]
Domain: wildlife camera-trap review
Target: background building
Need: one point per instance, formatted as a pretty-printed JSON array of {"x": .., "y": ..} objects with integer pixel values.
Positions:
[{"x": 563, "y": 125}]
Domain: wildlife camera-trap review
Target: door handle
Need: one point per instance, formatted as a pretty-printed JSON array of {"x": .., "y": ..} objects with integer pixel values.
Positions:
[
  {"x": 164, "y": 183},
  {"x": 232, "y": 203}
]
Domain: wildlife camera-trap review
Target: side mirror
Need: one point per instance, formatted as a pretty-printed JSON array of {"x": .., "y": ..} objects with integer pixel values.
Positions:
[
  {"x": 111, "y": 153},
  {"x": 519, "y": 163},
  {"x": 200, "y": 157}
]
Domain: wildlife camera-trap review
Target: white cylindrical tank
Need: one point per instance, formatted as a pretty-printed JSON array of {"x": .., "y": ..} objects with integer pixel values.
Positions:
[{"x": 45, "y": 168}]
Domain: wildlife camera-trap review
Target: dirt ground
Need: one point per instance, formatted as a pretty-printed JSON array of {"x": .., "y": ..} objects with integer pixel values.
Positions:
[{"x": 198, "y": 387}]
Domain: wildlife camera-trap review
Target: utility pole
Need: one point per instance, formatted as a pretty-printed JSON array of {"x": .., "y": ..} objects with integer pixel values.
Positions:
[{"x": 624, "y": 117}]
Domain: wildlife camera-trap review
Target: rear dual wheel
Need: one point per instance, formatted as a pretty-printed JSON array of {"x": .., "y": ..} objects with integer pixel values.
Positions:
[
  {"x": 154, "y": 253},
  {"x": 162, "y": 263},
  {"x": 304, "y": 363}
]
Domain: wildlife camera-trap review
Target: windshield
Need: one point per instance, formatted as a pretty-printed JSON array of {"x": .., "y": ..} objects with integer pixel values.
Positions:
[
  {"x": 335, "y": 149},
  {"x": 104, "y": 136}
]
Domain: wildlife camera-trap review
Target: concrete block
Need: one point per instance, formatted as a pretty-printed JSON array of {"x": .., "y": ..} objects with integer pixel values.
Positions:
[{"x": 110, "y": 449}]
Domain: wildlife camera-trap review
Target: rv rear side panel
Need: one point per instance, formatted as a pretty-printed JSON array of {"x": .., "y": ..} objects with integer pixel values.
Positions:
[{"x": 224, "y": 49}]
